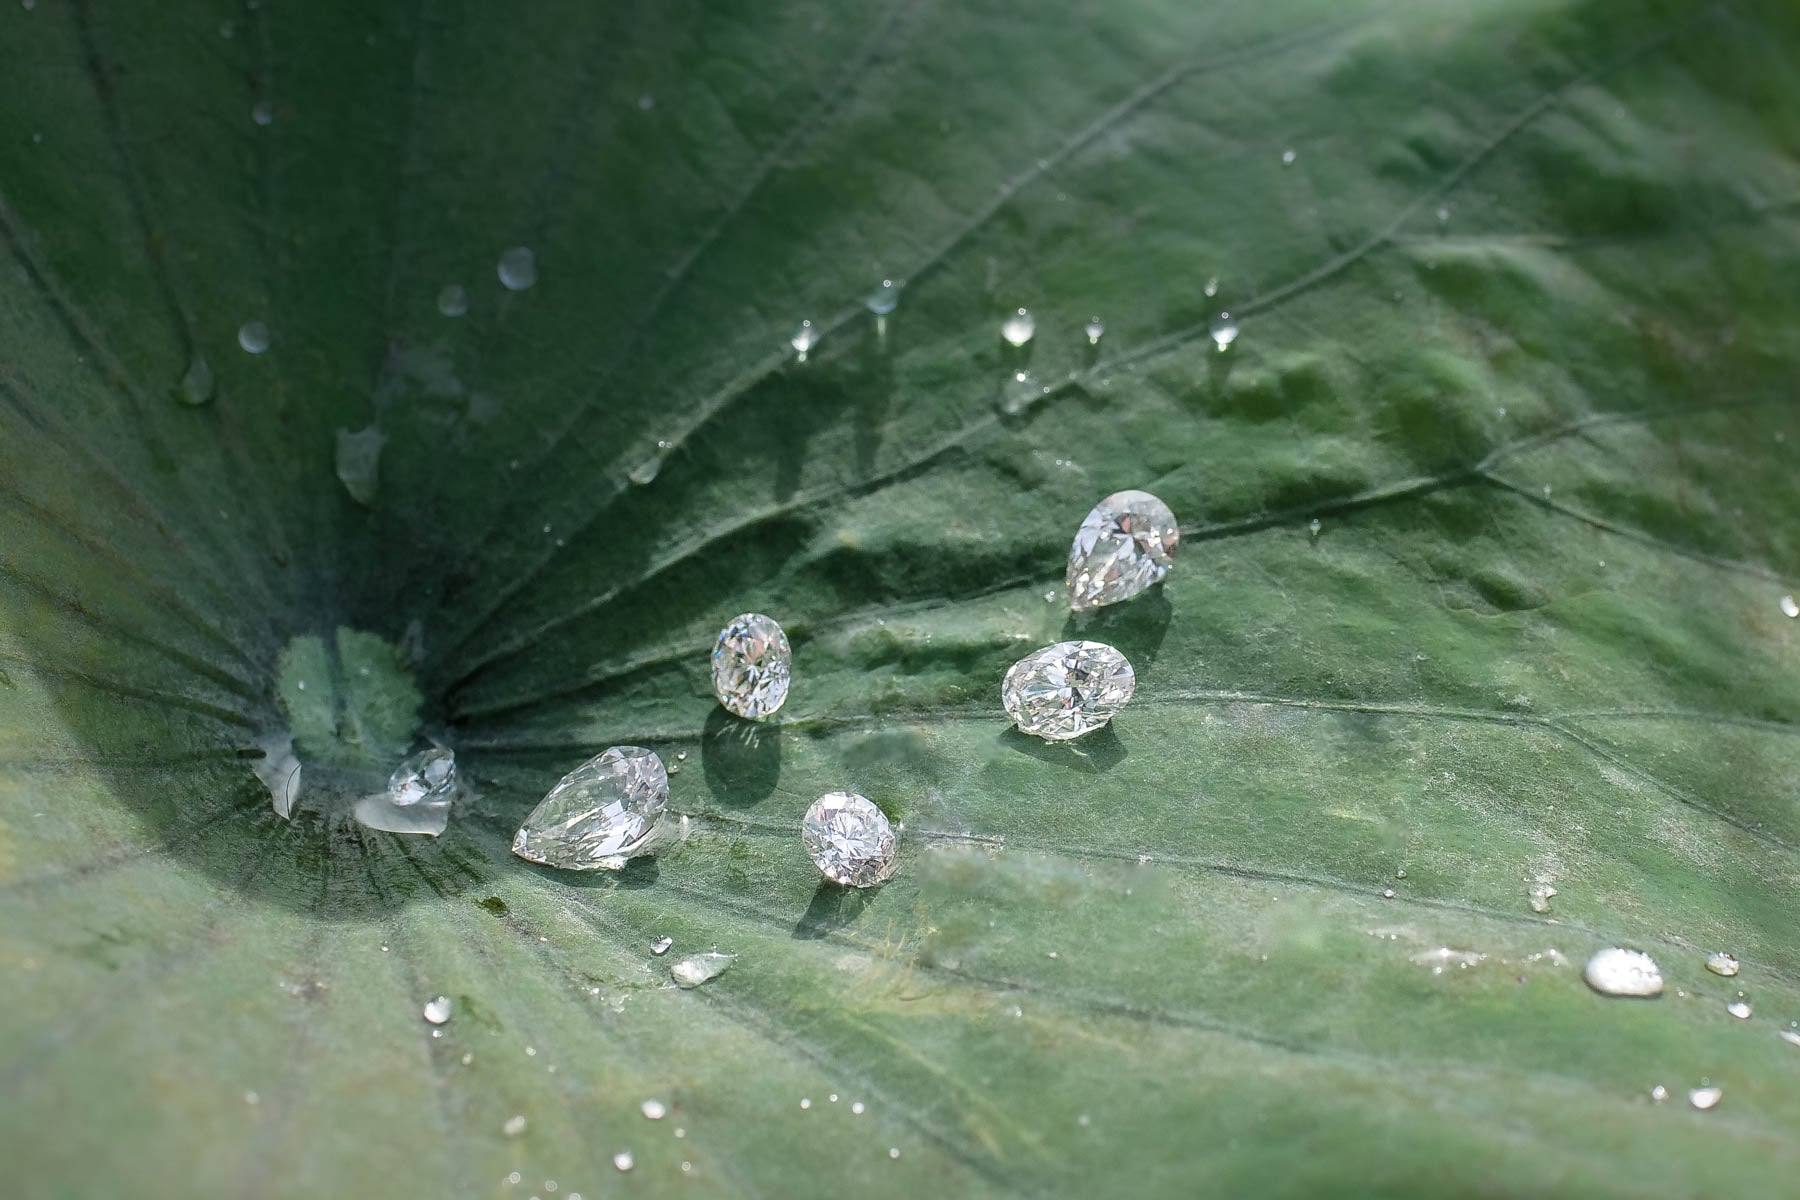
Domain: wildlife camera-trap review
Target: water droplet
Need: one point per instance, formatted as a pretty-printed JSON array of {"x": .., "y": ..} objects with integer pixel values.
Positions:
[
  {"x": 893, "y": 1152},
  {"x": 697, "y": 969},
  {"x": 661, "y": 946},
  {"x": 1789, "y": 608},
  {"x": 1739, "y": 1008},
  {"x": 646, "y": 102},
  {"x": 1095, "y": 329},
  {"x": 1705, "y": 1097},
  {"x": 437, "y": 1009},
  {"x": 645, "y": 473},
  {"x": 263, "y": 113},
  {"x": 599, "y": 814},
  {"x": 518, "y": 268},
  {"x": 1387, "y": 893},
  {"x": 1540, "y": 895},
  {"x": 1443, "y": 214},
  {"x": 1619, "y": 972},
  {"x": 1212, "y": 286},
  {"x": 27, "y": 5},
  {"x": 253, "y": 336},
  {"x": 686, "y": 1166},
  {"x": 417, "y": 798},
  {"x": 1288, "y": 157},
  {"x": 1659, "y": 1093},
  {"x": 358, "y": 462},
  {"x": 453, "y": 300},
  {"x": 196, "y": 387},
  {"x": 1068, "y": 689},
  {"x": 1018, "y": 328},
  {"x": 1722, "y": 963},
  {"x": 804, "y": 339},
  {"x": 513, "y": 1128},
  {"x": 805, "y": 1102},
  {"x": 1400, "y": 874},
  {"x": 1084, "y": 1120},
  {"x": 655, "y": 1110},
  {"x": 857, "y": 1108},
  {"x": 623, "y": 1160},
  {"x": 1313, "y": 528},
  {"x": 1790, "y": 1036},
  {"x": 832, "y": 1097},
  {"x": 1224, "y": 330},
  {"x": 468, "y": 1058},
  {"x": 883, "y": 299}
]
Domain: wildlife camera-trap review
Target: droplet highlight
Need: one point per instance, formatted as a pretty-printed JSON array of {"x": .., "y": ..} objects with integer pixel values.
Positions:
[
  {"x": 253, "y": 336},
  {"x": 1018, "y": 328},
  {"x": 437, "y": 1009},
  {"x": 518, "y": 268},
  {"x": 1223, "y": 331},
  {"x": 1615, "y": 971}
]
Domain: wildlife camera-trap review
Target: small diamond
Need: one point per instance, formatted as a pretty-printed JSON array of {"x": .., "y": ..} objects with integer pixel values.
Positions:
[
  {"x": 751, "y": 664},
  {"x": 1068, "y": 689},
  {"x": 599, "y": 814},
  {"x": 849, "y": 839},
  {"x": 418, "y": 795},
  {"x": 1123, "y": 546}
]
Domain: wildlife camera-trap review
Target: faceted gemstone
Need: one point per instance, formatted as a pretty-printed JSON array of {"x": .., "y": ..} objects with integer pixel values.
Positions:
[
  {"x": 750, "y": 666},
  {"x": 849, "y": 839},
  {"x": 1068, "y": 689},
  {"x": 418, "y": 795},
  {"x": 600, "y": 814},
  {"x": 1123, "y": 546}
]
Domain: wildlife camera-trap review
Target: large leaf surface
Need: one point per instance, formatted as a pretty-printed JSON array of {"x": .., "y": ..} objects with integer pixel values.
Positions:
[{"x": 1519, "y": 327}]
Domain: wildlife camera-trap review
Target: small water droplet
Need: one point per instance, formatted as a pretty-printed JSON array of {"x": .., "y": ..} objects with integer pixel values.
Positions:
[
  {"x": 1212, "y": 286},
  {"x": 681, "y": 756},
  {"x": 437, "y": 1009},
  {"x": 196, "y": 387},
  {"x": 686, "y": 1166},
  {"x": 1313, "y": 528},
  {"x": 693, "y": 971},
  {"x": 805, "y": 1102},
  {"x": 680, "y": 1132},
  {"x": 468, "y": 1058},
  {"x": 893, "y": 1152},
  {"x": 1739, "y": 1008},
  {"x": 883, "y": 299},
  {"x": 1387, "y": 893},
  {"x": 804, "y": 339},
  {"x": 1789, "y": 607},
  {"x": 1540, "y": 895},
  {"x": 1224, "y": 330},
  {"x": 655, "y": 1110},
  {"x": 453, "y": 300},
  {"x": 1095, "y": 329},
  {"x": 1790, "y": 1036},
  {"x": 513, "y": 1128},
  {"x": 1084, "y": 1120},
  {"x": 253, "y": 336},
  {"x": 227, "y": 30},
  {"x": 832, "y": 1097},
  {"x": 661, "y": 946},
  {"x": 1018, "y": 328},
  {"x": 1722, "y": 963},
  {"x": 249, "y": 1097},
  {"x": 623, "y": 1160},
  {"x": 263, "y": 113},
  {"x": 518, "y": 268},
  {"x": 531, "y": 1052},
  {"x": 645, "y": 473},
  {"x": 1705, "y": 1097},
  {"x": 27, "y": 5},
  {"x": 857, "y": 1109},
  {"x": 1618, "y": 972},
  {"x": 1288, "y": 157},
  {"x": 1443, "y": 214}
]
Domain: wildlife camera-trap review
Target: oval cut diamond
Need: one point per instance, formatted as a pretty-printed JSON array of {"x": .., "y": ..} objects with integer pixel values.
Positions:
[
  {"x": 849, "y": 839},
  {"x": 1068, "y": 689},
  {"x": 599, "y": 814},
  {"x": 751, "y": 663},
  {"x": 1123, "y": 546}
]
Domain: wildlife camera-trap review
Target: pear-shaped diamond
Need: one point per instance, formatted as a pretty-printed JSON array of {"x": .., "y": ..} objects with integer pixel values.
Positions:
[
  {"x": 1125, "y": 545},
  {"x": 418, "y": 795},
  {"x": 600, "y": 814},
  {"x": 750, "y": 666},
  {"x": 1068, "y": 689},
  {"x": 849, "y": 839}
]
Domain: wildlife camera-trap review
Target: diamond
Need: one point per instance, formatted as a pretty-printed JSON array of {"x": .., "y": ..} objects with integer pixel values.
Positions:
[
  {"x": 1123, "y": 546},
  {"x": 1068, "y": 689},
  {"x": 849, "y": 839},
  {"x": 599, "y": 814},
  {"x": 418, "y": 795},
  {"x": 750, "y": 666}
]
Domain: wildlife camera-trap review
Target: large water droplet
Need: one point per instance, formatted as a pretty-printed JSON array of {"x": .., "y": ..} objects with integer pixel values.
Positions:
[
  {"x": 1705, "y": 1097},
  {"x": 1722, "y": 963},
  {"x": 453, "y": 301},
  {"x": 196, "y": 387},
  {"x": 883, "y": 299},
  {"x": 263, "y": 113},
  {"x": 1618, "y": 972},
  {"x": 518, "y": 268},
  {"x": 253, "y": 336},
  {"x": 1739, "y": 1008},
  {"x": 437, "y": 1009},
  {"x": 1223, "y": 330},
  {"x": 697, "y": 969},
  {"x": 1018, "y": 328}
]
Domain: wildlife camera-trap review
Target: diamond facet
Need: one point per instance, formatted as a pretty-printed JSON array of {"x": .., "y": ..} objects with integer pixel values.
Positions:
[
  {"x": 1123, "y": 546},
  {"x": 750, "y": 666},
  {"x": 599, "y": 814},
  {"x": 1068, "y": 689},
  {"x": 849, "y": 839},
  {"x": 418, "y": 795}
]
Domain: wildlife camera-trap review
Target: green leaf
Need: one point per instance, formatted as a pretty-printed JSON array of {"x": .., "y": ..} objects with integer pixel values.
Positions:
[{"x": 1515, "y": 284}]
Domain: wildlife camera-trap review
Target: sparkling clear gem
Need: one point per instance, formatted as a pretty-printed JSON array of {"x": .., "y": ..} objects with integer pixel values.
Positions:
[
  {"x": 697, "y": 969},
  {"x": 883, "y": 299},
  {"x": 751, "y": 664},
  {"x": 1018, "y": 328},
  {"x": 1617, "y": 972},
  {"x": 437, "y": 1010},
  {"x": 849, "y": 839},
  {"x": 418, "y": 795},
  {"x": 1068, "y": 689},
  {"x": 1123, "y": 546},
  {"x": 1722, "y": 964},
  {"x": 518, "y": 268},
  {"x": 599, "y": 814}
]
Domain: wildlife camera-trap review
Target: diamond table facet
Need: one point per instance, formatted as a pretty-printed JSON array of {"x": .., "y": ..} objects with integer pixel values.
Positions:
[
  {"x": 1123, "y": 546},
  {"x": 600, "y": 814},
  {"x": 849, "y": 839},
  {"x": 1068, "y": 689},
  {"x": 751, "y": 665}
]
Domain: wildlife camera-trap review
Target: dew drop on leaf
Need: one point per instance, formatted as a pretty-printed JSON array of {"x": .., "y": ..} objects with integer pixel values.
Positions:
[
  {"x": 518, "y": 268},
  {"x": 253, "y": 336}
]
